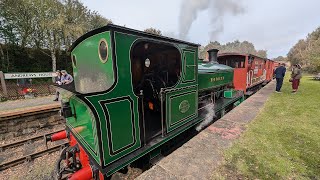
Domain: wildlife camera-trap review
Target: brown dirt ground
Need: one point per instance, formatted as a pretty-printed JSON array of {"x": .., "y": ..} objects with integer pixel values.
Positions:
[{"x": 40, "y": 168}]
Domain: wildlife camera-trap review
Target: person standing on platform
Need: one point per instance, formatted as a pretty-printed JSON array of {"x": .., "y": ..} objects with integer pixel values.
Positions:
[
  {"x": 295, "y": 77},
  {"x": 66, "y": 78},
  {"x": 280, "y": 72},
  {"x": 57, "y": 81}
]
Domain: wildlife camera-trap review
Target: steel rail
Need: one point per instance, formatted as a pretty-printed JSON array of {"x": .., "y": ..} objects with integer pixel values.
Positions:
[
  {"x": 24, "y": 141},
  {"x": 32, "y": 156}
]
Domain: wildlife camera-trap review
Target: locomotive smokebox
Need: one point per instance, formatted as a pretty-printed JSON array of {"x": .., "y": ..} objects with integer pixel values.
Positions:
[{"x": 213, "y": 55}]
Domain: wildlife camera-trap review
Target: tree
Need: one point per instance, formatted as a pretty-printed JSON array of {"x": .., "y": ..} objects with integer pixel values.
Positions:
[
  {"x": 236, "y": 46},
  {"x": 45, "y": 25},
  {"x": 52, "y": 23},
  {"x": 211, "y": 45},
  {"x": 16, "y": 21},
  {"x": 307, "y": 52},
  {"x": 97, "y": 21},
  {"x": 261, "y": 53},
  {"x": 281, "y": 59},
  {"x": 153, "y": 31}
]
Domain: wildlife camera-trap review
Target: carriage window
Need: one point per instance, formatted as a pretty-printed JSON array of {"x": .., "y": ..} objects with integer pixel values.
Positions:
[
  {"x": 232, "y": 61},
  {"x": 154, "y": 62}
]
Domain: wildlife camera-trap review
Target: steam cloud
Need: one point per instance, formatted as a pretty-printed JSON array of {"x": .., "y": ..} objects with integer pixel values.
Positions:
[
  {"x": 208, "y": 114},
  {"x": 217, "y": 10}
]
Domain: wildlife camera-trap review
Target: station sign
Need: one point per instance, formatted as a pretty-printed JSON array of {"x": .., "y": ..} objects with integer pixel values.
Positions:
[{"x": 29, "y": 75}]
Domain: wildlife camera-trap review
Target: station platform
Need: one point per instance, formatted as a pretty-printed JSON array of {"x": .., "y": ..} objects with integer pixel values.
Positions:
[
  {"x": 16, "y": 107},
  {"x": 200, "y": 156}
]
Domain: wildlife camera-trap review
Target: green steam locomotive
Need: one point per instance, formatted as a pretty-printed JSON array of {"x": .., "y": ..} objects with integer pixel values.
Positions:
[{"x": 133, "y": 94}]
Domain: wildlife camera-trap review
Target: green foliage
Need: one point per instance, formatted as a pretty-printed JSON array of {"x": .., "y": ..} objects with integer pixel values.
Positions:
[
  {"x": 32, "y": 60},
  {"x": 283, "y": 141},
  {"x": 281, "y": 59},
  {"x": 307, "y": 52},
  {"x": 236, "y": 46},
  {"x": 96, "y": 21},
  {"x": 153, "y": 31},
  {"x": 15, "y": 21},
  {"x": 46, "y": 26}
]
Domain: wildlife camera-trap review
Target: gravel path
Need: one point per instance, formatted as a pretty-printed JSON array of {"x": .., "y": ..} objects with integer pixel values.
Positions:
[
  {"x": 40, "y": 168},
  {"x": 25, "y": 103}
]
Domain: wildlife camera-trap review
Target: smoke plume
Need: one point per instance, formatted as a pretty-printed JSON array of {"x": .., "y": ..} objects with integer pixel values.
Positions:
[
  {"x": 188, "y": 13},
  {"x": 217, "y": 10}
]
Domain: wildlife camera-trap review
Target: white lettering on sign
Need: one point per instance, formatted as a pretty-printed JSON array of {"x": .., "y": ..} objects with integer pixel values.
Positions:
[{"x": 29, "y": 75}]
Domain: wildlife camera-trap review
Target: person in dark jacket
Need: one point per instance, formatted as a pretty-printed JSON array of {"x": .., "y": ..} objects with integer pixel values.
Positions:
[
  {"x": 65, "y": 77},
  {"x": 280, "y": 72}
]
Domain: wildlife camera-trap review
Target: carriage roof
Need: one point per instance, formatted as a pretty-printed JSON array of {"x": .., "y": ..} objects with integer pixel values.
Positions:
[{"x": 241, "y": 54}]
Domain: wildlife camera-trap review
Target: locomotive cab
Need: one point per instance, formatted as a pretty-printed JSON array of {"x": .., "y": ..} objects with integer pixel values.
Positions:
[
  {"x": 132, "y": 91},
  {"x": 155, "y": 66}
]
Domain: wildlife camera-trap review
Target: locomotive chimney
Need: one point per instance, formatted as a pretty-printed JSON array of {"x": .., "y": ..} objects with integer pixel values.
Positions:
[{"x": 213, "y": 55}]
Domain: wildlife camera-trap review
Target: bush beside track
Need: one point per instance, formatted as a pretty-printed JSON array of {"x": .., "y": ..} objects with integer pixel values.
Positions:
[{"x": 283, "y": 141}]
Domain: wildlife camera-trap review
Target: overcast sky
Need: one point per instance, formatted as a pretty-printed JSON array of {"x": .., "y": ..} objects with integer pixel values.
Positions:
[{"x": 273, "y": 25}]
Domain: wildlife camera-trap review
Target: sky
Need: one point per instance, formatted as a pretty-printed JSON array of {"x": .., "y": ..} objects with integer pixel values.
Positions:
[{"x": 272, "y": 25}]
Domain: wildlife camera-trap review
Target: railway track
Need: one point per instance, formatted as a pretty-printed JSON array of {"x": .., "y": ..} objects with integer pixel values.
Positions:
[
  {"x": 24, "y": 141},
  {"x": 31, "y": 156}
]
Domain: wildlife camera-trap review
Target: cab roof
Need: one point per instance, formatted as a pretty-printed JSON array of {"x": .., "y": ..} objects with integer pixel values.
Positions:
[{"x": 112, "y": 27}]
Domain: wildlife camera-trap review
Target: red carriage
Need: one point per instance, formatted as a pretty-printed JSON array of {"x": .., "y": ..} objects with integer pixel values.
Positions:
[{"x": 250, "y": 72}]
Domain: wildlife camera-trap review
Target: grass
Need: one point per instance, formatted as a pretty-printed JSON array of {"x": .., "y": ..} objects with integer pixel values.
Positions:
[{"x": 283, "y": 142}]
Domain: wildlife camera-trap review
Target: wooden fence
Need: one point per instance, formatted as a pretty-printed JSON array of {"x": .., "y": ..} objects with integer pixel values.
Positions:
[{"x": 9, "y": 90}]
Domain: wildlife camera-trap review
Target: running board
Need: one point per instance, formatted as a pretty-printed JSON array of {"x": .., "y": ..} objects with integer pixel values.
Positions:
[{"x": 249, "y": 93}]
